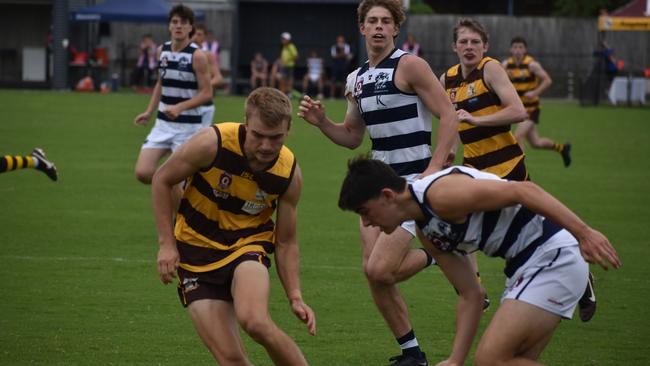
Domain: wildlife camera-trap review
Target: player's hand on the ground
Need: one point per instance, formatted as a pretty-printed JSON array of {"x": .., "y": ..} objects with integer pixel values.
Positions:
[
  {"x": 172, "y": 112},
  {"x": 465, "y": 116},
  {"x": 305, "y": 314},
  {"x": 142, "y": 118},
  {"x": 312, "y": 111},
  {"x": 596, "y": 248},
  {"x": 168, "y": 259}
]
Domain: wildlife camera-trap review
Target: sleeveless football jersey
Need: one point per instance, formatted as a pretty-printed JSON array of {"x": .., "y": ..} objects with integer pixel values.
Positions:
[
  {"x": 488, "y": 148},
  {"x": 523, "y": 80},
  {"x": 227, "y": 209},
  {"x": 512, "y": 233},
  {"x": 178, "y": 82},
  {"x": 398, "y": 123}
]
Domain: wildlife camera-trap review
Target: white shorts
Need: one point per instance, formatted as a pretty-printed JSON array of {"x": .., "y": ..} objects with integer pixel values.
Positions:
[
  {"x": 169, "y": 135},
  {"x": 552, "y": 279},
  {"x": 207, "y": 114}
]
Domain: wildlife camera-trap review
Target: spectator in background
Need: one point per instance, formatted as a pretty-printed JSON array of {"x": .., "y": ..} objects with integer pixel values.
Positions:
[
  {"x": 277, "y": 73},
  {"x": 216, "y": 79},
  {"x": 259, "y": 71},
  {"x": 341, "y": 56},
  {"x": 143, "y": 75},
  {"x": 608, "y": 61},
  {"x": 211, "y": 44},
  {"x": 411, "y": 46},
  {"x": 288, "y": 55},
  {"x": 314, "y": 75}
]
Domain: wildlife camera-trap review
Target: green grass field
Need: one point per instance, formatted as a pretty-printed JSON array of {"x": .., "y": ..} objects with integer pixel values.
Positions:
[{"x": 79, "y": 282}]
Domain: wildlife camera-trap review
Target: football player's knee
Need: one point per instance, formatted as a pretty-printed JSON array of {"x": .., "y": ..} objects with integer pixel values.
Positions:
[
  {"x": 143, "y": 176},
  {"x": 380, "y": 275},
  {"x": 258, "y": 328},
  {"x": 484, "y": 357}
]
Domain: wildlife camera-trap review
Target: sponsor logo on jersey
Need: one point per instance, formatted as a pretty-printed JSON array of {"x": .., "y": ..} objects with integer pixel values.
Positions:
[{"x": 253, "y": 207}]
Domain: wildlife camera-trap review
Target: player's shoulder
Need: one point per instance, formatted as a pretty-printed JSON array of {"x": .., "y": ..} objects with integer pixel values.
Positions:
[{"x": 351, "y": 81}]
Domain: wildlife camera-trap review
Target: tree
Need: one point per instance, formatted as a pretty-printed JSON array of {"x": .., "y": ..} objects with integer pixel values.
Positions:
[{"x": 585, "y": 8}]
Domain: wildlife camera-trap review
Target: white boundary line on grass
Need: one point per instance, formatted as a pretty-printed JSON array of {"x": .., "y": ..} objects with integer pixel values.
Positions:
[{"x": 133, "y": 260}]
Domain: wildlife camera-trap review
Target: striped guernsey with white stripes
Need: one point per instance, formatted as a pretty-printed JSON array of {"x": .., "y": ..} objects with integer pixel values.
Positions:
[
  {"x": 178, "y": 81},
  {"x": 512, "y": 233},
  {"x": 398, "y": 123}
]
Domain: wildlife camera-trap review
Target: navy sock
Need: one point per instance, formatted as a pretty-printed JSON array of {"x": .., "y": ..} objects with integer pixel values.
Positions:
[{"x": 409, "y": 345}]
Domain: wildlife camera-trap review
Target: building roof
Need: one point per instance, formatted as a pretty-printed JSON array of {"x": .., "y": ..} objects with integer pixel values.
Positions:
[{"x": 635, "y": 8}]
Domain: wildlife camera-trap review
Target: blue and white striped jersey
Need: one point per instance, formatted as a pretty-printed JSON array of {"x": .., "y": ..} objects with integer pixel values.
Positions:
[
  {"x": 178, "y": 82},
  {"x": 512, "y": 233},
  {"x": 398, "y": 123}
]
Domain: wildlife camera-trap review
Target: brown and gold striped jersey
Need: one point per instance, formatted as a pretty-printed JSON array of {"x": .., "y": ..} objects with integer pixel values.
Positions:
[
  {"x": 488, "y": 148},
  {"x": 226, "y": 209},
  {"x": 524, "y": 80}
]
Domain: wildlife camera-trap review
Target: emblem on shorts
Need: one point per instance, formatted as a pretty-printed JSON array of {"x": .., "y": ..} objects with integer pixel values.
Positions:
[
  {"x": 554, "y": 301},
  {"x": 190, "y": 284}
]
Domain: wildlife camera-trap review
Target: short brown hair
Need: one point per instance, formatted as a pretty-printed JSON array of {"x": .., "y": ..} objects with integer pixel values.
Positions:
[
  {"x": 183, "y": 12},
  {"x": 473, "y": 25},
  {"x": 519, "y": 39},
  {"x": 272, "y": 105},
  {"x": 393, "y": 6}
]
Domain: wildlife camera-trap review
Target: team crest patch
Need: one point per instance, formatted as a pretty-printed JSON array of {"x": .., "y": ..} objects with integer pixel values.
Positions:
[
  {"x": 471, "y": 90},
  {"x": 183, "y": 64},
  {"x": 358, "y": 87},
  {"x": 225, "y": 180},
  {"x": 380, "y": 81},
  {"x": 452, "y": 95},
  {"x": 190, "y": 284}
]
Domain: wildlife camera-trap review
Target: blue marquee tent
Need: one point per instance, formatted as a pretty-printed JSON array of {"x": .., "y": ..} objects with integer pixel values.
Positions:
[{"x": 152, "y": 11}]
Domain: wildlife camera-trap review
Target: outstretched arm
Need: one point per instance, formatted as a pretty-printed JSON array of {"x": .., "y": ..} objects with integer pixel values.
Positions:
[
  {"x": 287, "y": 253},
  {"x": 349, "y": 133},
  {"x": 460, "y": 273},
  {"x": 458, "y": 195},
  {"x": 196, "y": 153}
]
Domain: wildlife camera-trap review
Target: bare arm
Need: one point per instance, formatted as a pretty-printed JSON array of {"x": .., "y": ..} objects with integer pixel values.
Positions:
[
  {"x": 196, "y": 153},
  {"x": 418, "y": 76},
  {"x": 545, "y": 80},
  {"x": 349, "y": 133},
  {"x": 287, "y": 253},
  {"x": 458, "y": 195},
  {"x": 204, "y": 94},
  {"x": 452, "y": 152},
  {"x": 513, "y": 110},
  {"x": 144, "y": 117},
  {"x": 215, "y": 72},
  {"x": 460, "y": 273}
]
